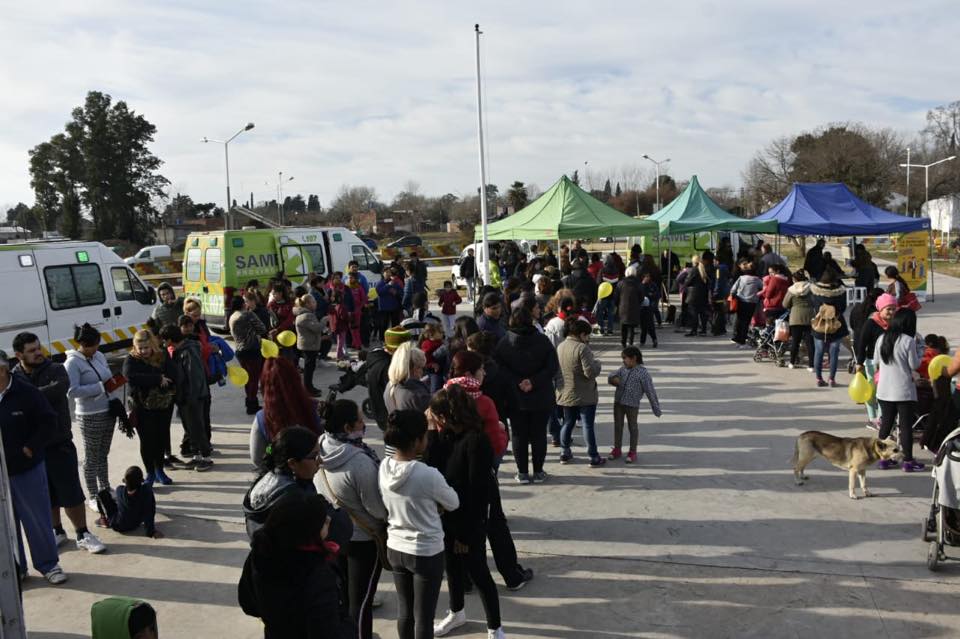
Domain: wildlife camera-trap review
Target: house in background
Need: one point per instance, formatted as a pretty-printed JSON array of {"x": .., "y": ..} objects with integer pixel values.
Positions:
[{"x": 14, "y": 233}]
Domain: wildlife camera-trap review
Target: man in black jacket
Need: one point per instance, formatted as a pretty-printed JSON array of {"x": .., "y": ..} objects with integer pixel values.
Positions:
[
  {"x": 468, "y": 271},
  {"x": 63, "y": 475},
  {"x": 26, "y": 421}
]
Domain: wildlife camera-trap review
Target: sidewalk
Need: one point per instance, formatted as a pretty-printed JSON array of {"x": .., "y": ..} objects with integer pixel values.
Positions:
[{"x": 707, "y": 536}]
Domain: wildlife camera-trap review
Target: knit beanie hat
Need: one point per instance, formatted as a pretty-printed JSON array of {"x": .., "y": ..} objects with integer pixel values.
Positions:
[
  {"x": 394, "y": 337},
  {"x": 885, "y": 300}
]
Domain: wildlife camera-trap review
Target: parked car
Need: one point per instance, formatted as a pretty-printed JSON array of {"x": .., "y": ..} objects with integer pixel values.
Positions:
[
  {"x": 149, "y": 254},
  {"x": 405, "y": 241}
]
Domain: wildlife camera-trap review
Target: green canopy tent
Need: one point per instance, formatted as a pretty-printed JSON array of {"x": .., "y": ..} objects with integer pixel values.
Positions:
[
  {"x": 693, "y": 211},
  {"x": 565, "y": 212}
]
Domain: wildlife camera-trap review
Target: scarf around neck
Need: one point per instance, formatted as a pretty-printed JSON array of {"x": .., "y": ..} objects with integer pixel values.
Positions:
[
  {"x": 469, "y": 384},
  {"x": 882, "y": 323}
]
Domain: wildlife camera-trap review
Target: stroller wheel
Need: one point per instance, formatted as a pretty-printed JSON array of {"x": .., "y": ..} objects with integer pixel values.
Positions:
[
  {"x": 933, "y": 556},
  {"x": 925, "y": 529},
  {"x": 781, "y": 362},
  {"x": 851, "y": 367},
  {"x": 758, "y": 356}
]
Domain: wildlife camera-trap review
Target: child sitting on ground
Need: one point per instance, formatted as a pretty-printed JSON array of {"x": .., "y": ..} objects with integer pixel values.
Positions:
[
  {"x": 633, "y": 381},
  {"x": 133, "y": 506}
]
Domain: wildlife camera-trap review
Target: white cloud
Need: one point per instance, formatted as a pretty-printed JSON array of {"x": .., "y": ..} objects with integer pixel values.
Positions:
[{"x": 380, "y": 93}]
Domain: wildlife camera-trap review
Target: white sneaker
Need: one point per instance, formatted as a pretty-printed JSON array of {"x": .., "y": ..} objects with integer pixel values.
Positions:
[
  {"x": 452, "y": 621},
  {"x": 60, "y": 538},
  {"x": 496, "y": 634},
  {"x": 91, "y": 544},
  {"x": 791, "y": 366},
  {"x": 92, "y": 505},
  {"x": 809, "y": 369},
  {"x": 55, "y": 576}
]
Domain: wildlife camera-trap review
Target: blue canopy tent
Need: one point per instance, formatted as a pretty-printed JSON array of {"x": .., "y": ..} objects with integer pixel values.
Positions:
[{"x": 831, "y": 209}]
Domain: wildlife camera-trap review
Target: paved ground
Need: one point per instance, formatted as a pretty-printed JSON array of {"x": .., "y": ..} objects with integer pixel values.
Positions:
[{"x": 706, "y": 537}]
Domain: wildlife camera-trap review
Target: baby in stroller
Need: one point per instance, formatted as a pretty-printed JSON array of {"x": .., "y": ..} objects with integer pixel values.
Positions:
[
  {"x": 773, "y": 341},
  {"x": 942, "y": 526}
]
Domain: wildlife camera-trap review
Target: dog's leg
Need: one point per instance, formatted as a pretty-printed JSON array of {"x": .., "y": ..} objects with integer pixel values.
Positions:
[
  {"x": 863, "y": 482},
  {"x": 853, "y": 484}
]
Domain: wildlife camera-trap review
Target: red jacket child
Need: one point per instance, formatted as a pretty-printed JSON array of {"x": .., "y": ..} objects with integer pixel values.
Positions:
[
  {"x": 449, "y": 298},
  {"x": 488, "y": 413}
]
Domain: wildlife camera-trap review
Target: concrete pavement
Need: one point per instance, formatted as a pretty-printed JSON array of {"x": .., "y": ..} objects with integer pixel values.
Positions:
[{"x": 707, "y": 536}]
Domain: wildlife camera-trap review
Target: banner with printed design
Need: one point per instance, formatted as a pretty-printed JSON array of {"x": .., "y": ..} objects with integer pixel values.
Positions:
[{"x": 913, "y": 260}]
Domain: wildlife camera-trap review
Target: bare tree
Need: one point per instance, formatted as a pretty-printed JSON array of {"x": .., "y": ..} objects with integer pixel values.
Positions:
[{"x": 768, "y": 177}]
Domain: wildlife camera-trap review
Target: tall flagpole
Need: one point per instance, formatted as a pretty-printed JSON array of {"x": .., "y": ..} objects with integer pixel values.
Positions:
[{"x": 484, "y": 252}]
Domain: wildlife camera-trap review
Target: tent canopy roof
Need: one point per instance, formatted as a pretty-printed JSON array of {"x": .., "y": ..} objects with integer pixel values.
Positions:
[
  {"x": 694, "y": 211},
  {"x": 565, "y": 212},
  {"x": 831, "y": 209}
]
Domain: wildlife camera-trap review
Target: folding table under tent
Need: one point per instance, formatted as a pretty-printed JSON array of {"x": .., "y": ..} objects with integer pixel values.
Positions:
[
  {"x": 832, "y": 209},
  {"x": 565, "y": 212},
  {"x": 693, "y": 211}
]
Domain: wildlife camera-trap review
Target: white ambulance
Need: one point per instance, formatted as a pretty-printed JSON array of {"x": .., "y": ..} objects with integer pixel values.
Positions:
[{"x": 50, "y": 288}]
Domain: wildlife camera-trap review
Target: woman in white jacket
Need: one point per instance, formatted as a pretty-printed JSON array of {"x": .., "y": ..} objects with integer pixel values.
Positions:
[
  {"x": 88, "y": 370},
  {"x": 413, "y": 494}
]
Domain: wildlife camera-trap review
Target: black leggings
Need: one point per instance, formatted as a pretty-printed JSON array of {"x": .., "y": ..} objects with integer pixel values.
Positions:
[
  {"x": 417, "y": 580},
  {"x": 473, "y": 562},
  {"x": 798, "y": 333},
  {"x": 309, "y": 366},
  {"x": 906, "y": 414},
  {"x": 646, "y": 326},
  {"x": 501, "y": 541},
  {"x": 363, "y": 575},
  {"x": 153, "y": 429},
  {"x": 744, "y": 315},
  {"x": 627, "y": 334},
  {"x": 529, "y": 431}
]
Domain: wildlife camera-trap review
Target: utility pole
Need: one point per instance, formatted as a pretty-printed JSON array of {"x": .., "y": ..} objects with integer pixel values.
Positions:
[{"x": 484, "y": 248}]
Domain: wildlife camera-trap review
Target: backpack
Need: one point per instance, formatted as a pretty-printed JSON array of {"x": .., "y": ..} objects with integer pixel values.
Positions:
[{"x": 825, "y": 321}]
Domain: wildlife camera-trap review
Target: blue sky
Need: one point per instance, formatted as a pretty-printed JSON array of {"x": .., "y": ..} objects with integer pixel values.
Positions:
[{"x": 383, "y": 93}]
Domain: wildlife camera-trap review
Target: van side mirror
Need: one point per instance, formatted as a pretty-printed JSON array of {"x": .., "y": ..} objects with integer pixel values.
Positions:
[
  {"x": 376, "y": 267},
  {"x": 456, "y": 260},
  {"x": 148, "y": 296}
]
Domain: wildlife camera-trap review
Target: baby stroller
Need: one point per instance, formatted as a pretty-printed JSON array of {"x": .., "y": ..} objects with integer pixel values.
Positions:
[
  {"x": 773, "y": 341},
  {"x": 941, "y": 528},
  {"x": 354, "y": 374}
]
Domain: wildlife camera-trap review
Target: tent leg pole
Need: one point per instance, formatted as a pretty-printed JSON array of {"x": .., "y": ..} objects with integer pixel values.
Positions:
[{"x": 930, "y": 268}]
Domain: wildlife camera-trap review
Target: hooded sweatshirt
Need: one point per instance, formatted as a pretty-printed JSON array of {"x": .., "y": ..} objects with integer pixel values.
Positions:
[
  {"x": 86, "y": 382},
  {"x": 266, "y": 493},
  {"x": 411, "y": 493},
  {"x": 352, "y": 477},
  {"x": 110, "y": 617},
  {"x": 797, "y": 301}
]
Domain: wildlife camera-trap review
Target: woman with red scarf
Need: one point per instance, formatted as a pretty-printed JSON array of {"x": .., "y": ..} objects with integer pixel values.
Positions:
[
  {"x": 863, "y": 347},
  {"x": 468, "y": 373}
]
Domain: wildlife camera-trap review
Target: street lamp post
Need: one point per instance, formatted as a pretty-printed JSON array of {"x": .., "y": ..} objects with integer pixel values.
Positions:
[
  {"x": 226, "y": 157},
  {"x": 280, "y": 182},
  {"x": 657, "y": 164}
]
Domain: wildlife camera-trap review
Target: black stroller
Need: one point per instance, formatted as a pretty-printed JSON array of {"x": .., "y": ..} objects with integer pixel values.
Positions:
[
  {"x": 942, "y": 526},
  {"x": 354, "y": 374}
]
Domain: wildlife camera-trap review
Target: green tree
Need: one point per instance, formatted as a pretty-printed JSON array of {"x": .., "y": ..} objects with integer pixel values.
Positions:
[
  {"x": 23, "y": 216},
  {"x": 618, "y": 192},
  {"x": 575, "y": 178},
  {"x": 102, "y": 165},
  {"x": 607, "y": 191},
  {"x": 517, "y": 196},
  {"x": 313, "y": 203}
]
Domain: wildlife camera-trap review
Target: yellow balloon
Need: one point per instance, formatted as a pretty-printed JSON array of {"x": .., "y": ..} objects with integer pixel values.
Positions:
[
  {"x": 605, "y": 290},
  {"x": 237, "y": 376},
  {"x": 937, "y": 366},
  {"x": 860, "y": 389},
  {"x": 287, "y": 338},
  {"x": 269, "y": 349},
  {"x": 372, "y": 295}
]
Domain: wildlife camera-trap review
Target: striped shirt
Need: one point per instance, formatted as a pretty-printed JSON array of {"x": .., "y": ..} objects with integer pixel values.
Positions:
[{"x": 634, "y": 384}]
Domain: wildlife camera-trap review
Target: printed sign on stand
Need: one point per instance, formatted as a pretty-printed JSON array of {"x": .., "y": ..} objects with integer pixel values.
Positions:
[{"x": 913, "y": 261}]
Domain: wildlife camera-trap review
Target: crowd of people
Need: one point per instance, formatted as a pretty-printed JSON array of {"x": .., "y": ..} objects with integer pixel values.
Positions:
[{"x": 451, "y": 393}]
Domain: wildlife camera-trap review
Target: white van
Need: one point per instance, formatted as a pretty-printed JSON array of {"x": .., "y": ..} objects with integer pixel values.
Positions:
[
  {"x": 50, "y": 288},
  {"x": 149, "y": 255}
]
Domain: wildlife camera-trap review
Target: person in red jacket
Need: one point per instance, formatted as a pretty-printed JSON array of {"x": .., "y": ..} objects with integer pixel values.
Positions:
[
  {"x": 775, "y": 286},
  {"x": 282, "y": 308},
  {"x": 466, "y": 371},
  {"x": 449, "y": 298}
]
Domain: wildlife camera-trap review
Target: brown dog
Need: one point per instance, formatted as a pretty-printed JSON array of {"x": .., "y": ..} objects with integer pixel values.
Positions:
[{"x": 852, "y": 453}]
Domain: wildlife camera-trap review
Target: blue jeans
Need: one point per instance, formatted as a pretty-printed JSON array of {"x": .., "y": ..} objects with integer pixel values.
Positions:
[
  {"x": 834, "y": 350},
  {"x": 587, "y": 414},
  {"x": 605, "y": 314},
  {"x": 31, "y": 510},
  {"x": 556, "y": 423}
]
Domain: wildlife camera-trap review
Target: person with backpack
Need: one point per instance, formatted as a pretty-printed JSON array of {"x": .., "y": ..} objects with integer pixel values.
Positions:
[{"x": 829, "y": 300}]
